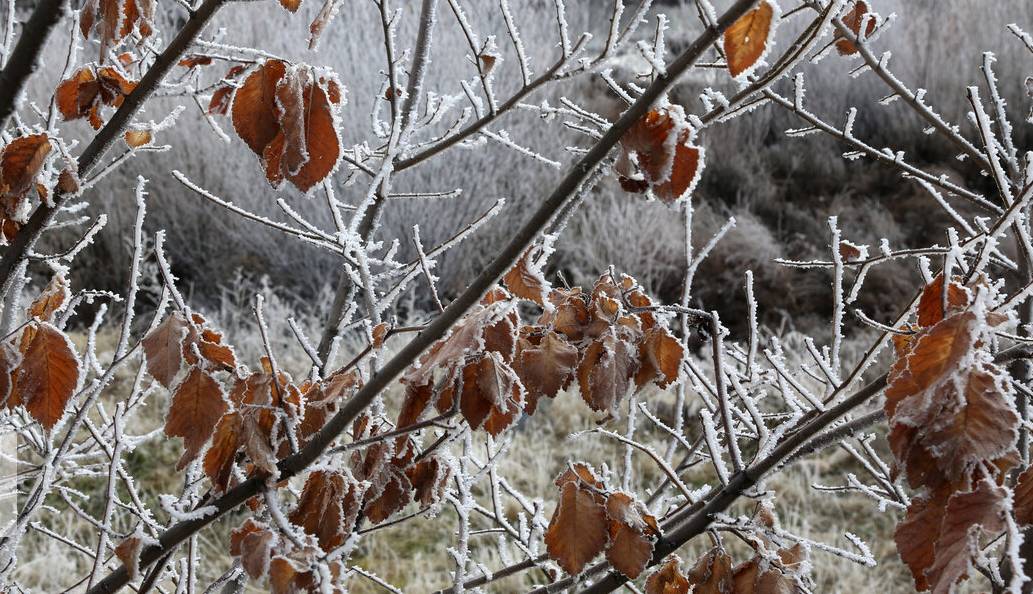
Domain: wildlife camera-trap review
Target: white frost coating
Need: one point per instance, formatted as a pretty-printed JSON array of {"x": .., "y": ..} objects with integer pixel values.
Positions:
[{"x": 710, "y": 435}]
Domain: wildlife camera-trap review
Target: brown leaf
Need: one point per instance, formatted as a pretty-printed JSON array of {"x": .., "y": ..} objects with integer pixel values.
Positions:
[
  {"x": 20, "y": 163},
  {"x": 605, "y": 372},
  {"x": 525, "y": 280},
  {"x": 320, "y": 23},
  {"x": 379, "y": 333},
  {"x": 646, "y": 151},
  {"x": 853, "y": 20},
  {"x": 632, "y": 534},
  {"x": 254, "y": 106},
  {"x": 930, "y": 305},
  {"x": 282, "y": 574},
  {"x": 47, "y": 376},
  {"x": 111, "y": 21},
  {"x": 578, "y": 529},
  {"x": 83, "y": 94},
  {"x": 307, "y": 147},
  {"x": 163, "y": 349},
  {"x": 492, "y": 395},
  {"x": 660, "y": 356},
  {"x": 668, "y": 579},
  {"x": 916, "y": 534},
  {"x": 1023, "y": 497},
  {"x": 137, "y": 138},
  {"x": 968, "y": 517},
  {"x": 757, "y": 576},
  {"x": 982, "y": 427},
  {"x": 291, "y": 5},
  {"x": 218, "y": 460},
  {"x": 745, "y": 42},
  {"x": 254, "y": 544},
  {"x": 712, "y": 573},
  {"x": 197, "y": 405},
  {"x": 327, "y": 508},
  {"x": 195, "y": 60},
  {"x": 51, "y": 300},
  {"x": 393, "y": 496},
  {"x": 429, "y": 477},
  {"x": 128, "y": 552},
  {"x": 546, "y": 368}
]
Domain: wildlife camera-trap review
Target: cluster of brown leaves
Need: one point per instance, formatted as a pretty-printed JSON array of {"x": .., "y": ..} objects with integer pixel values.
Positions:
[
  {"x": 21, "y": 163},
  {"x": 241, "y": 424},
  {"x": 43, "y": 372},
  {"x": 590, "y": 519},
  {"x": 748, "y": 39},
  {"x": 853, "y": 19},
  {"x": 112, "y": 21},
  {"x": 493, "y": 367},
  {"x": 657, "y": 154},
  {"x": 773, "y": 569},
  {"x": 953, "y": 429},
  {"x": 714, "y": 574},
  {"x": 285, "y": 113},
  {"x": 83, "y": 94}
]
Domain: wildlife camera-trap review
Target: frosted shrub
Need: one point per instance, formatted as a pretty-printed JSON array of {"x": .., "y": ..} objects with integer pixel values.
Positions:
[{"x": 266, "y": 442}]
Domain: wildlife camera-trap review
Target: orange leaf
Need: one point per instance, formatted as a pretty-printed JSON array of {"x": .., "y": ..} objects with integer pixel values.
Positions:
[
  {"x": 254, "y": 106},
  {"x": 930, "y": 305},
  {"x": 291, "y": 5},
  {"x": 578, "y": 530},
  {"x": 20, "y": 163},
  {"x": 968, "y": 516},
  {"x": 525, "y": 280},
  {"x": 746, "y": 41},
  {"x": 226, "y": 441},
  {"x": 660, "y": 357},
  {"x": 138, "y": 138},
  {"x": 197, "y": 405},
  {"x": 47, "y": 376},
  {"x": 669, "y": 579},
  {"x": 254, "y": 544},
  {"x": 853, "y": 20},
  {"x": 670, "y": 167},
  {"x": 51, "y": 300}
]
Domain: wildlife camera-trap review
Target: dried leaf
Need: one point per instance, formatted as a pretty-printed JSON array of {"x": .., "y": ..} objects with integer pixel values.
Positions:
[
  {"x": 658, "y": 149},
  {"x": 327, "y": 508},
  {"x": 632, "y": 534},
  {"x": 47, "y": 376},
  {"x": 163, "y": 349},
  {"x": 746, "y": 41},
  {"x": 968, "y": 516},
  {"x": 660, "y": 357},
  {"x": 546, "y": 368},
  {"x": 254, "y": 106},
  {"x": 578, "y": 529},
  {"x": 526, "y": 281},
  {"x": 137, "y": 138},
  {"x": 53, "y": 298},
  {"x": 712, "y": 573},
  {"x": 218, "y": 460},
  {"x": 853, "y": 20},
  {"x": 668, "y": 579},
  {"x": 930, "y": 305},
  {"x": 605, "y": 372},
  {"x": 197, "y": 405},
  {"x": 20, "y": 163}
]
